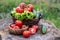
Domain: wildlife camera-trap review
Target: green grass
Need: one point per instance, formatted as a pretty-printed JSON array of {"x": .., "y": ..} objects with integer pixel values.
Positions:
[{"x": 51, "y": 12}]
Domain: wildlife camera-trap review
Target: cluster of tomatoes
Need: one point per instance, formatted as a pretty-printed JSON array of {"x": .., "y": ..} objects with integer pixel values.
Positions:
[
  {"x": 23, "y": 7},
  {"x": 31, "y": 31},
  {"x": 19, "y": 25}
]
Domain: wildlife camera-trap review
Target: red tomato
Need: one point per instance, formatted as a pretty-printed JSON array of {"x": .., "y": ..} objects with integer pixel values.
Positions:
[
  {"x": 23, "y": 26},
  {"x": 32, "y": 30},
  {"x": 16, "y": 27},
  {"x": 31, "y": 6},
  {"x": 35, "y": 27},
  {"x": 22, "y": 5},
  {"x": 26, "y": 34},
  {"x": 19, "y": 10},
  {"x": 25, "y": 9},
  {"x": 12, "y": 25},
  {"x": 29, "y": 9},
  {"x": 19, "y": 23}
]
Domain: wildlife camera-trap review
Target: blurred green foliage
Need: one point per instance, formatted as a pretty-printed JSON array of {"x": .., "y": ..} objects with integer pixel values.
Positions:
[{"x": 51, "y": 11}]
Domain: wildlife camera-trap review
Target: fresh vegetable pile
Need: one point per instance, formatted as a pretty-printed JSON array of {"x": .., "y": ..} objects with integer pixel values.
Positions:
[
  {"x": 31, "y": 31},
  {"x": 23, "y": 11},
  {"x": 26, "y": 14},
  {"x": 19, "y": 25}
]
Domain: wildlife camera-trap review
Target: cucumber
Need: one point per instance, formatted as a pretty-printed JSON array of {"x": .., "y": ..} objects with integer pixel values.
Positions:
[{"x": 43, "y": 29}]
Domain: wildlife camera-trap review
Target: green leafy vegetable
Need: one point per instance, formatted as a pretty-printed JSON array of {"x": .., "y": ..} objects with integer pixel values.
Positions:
[
  {"x": 37, "y": 13},
  {"x": 30, "y": 15},
  {"x": 25, "y": 15}
]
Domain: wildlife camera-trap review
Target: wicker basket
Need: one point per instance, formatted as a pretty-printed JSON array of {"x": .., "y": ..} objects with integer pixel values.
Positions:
[
  {"x": 17, "y": 31},
  {"x": 29, "y": 22}
]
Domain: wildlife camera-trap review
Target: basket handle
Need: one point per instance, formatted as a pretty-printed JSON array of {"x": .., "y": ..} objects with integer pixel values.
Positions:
[{"x": 40, "y": 16}]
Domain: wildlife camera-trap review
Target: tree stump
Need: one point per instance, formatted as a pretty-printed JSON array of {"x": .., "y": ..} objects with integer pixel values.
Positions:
[{"x": 51, "y": 35}]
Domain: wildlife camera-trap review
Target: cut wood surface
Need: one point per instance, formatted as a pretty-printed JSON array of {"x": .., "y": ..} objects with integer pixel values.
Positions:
[{"x": 50, "y": 35}]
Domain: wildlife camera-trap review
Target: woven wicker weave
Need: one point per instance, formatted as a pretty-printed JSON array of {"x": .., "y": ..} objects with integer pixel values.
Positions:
[{"x": 17, "y": 31}]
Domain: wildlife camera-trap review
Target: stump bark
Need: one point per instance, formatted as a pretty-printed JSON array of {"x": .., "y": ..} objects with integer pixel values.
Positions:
[{"x": 50, "y": 35}]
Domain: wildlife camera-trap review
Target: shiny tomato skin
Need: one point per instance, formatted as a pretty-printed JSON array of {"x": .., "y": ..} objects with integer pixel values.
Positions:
[
  {"x": 22, "y": 5},
  {"x": 19, "y": 10},
  {"x": 35, "y": 27},
  {"x": 26, "y": 34},
  {"x": 32, "y": 30},
  {"x": 12, "y": 25},
  {"x": 16, "y": 27},
  {"x": 29, "y": 9},
  {"x": 19, "y": 23},
  {"x": 30, "y": 6},
  {"x": 25, "y": 9}
]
